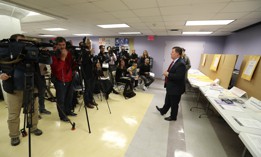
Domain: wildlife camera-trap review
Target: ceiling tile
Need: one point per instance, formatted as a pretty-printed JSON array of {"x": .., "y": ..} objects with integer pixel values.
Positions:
[
  {"x": 253, "y": 15},
  {"x": 242, "y": 6},
  {"x": 176, "y": 17},
  {"x": 110, "y": 5},
  {"x": 138, "y": 4},
  {"x": 201, "y": 16},
  {"x": 175, "y": 10},
  {"x": 229, "y": 16},
  {"x": 85, "y": 8},
  {"x": 207, "y": 7},
  {"x": 146, "y": 15},
  {"x": 152, "y": 19},
  {"x": 164, "y": 3},
  {"x": 130, "y": 20},
  {"x": 147, "y": 12},
  {"x": 123, "y": 14}
]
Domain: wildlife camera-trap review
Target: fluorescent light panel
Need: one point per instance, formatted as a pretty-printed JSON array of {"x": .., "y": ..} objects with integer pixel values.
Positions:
[
  {"x": 196, "y": 33},
  {"x": 113, "y": 26},
  {"x": 54, "y": 29},
  {"x": 129, "y": 33},
  {"x": 208, "y": 22},
  {"x": 31, "y": 13},
  {"x": 82, "y": 34},
  {"x": 46, "y": 35}
]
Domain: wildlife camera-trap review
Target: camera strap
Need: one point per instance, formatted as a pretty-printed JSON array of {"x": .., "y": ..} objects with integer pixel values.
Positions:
[{"x": 18, "y": 59}]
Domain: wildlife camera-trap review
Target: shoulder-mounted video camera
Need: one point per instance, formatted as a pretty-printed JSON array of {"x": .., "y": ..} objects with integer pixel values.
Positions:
[
  {"x": 77, "y": 51},
  {"x": 12, "y": 52}
]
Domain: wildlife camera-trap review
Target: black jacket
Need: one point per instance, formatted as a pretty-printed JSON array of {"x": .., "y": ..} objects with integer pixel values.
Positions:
[
  {"x": 176, "y": 78},
  {"x": 144, "y": 68}
]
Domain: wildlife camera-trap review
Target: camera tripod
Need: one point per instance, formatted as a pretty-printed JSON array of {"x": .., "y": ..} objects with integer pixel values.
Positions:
[
  {"x": 102, "y": 88},
  {"x": 83, "y": 92},
  {"x": 28, "y": 102}
]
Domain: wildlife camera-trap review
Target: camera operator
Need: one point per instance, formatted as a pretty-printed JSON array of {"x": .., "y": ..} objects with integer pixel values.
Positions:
[
  {"x": 87, "y": 71},
  {"x": 62, "y": 72},
  {"x": 125, "y": 56},
  {"x": 112, "y": 64},
  {"x": 41, "y": 90},
  {"x": 103, "y": 56},
  {"x": 13, "y": 84}
]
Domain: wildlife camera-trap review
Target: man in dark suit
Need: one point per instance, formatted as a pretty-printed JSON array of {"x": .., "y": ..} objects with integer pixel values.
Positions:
[{"x": 174, "y": 84}]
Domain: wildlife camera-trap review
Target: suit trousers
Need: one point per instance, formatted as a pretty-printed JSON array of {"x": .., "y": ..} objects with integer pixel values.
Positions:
[
  {"x": 64, "y": 96},
  {"x": 14, "y": 103},
  {"x": 171, "y": 101}
]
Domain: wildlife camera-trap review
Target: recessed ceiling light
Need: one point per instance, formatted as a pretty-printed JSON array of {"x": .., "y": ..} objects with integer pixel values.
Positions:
[
  {"x": 54, "y": 29},
  {"x": 208, "y": 22},
  {"x": 113, "y": 26},
  {"x": 31, "y": 13},
  {"x": 82, "y": 34},
  {"x": 46, "y": 35},
  {"x": 129, "y": 33},
  {"x": 196, "y": 33}
]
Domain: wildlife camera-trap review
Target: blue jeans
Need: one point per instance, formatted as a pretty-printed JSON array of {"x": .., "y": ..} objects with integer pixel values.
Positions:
[{"x": 64, "y": 95}]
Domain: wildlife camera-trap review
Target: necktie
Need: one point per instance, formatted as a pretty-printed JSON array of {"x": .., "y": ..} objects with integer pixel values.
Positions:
[
  {"x": 166, "y": 78},
  {"x": 170, "y": 65}
]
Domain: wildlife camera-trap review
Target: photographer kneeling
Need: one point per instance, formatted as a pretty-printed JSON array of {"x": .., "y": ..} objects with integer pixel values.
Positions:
[{"x": 13, "y": 83}]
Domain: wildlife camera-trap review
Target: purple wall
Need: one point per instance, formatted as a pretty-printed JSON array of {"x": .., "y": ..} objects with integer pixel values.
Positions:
[
  {"x": 245, "y": 42},
  {"x": 161, "y": 47}
]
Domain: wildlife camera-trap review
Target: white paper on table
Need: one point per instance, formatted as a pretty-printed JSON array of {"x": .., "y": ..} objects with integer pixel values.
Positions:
[
  {"x": 199, "y": 83},
  {"x": 204, "y": 89},
  {"x": 212, "y": 93},
  {"x": 249, "y": 122},
  {"x": 231, "y": 108},
  {"x": 254, "y": 102},
  {"x": 227, "y": 94},
  {"x": 238, "y": 92},
  {"x": 256, "y": 141}
]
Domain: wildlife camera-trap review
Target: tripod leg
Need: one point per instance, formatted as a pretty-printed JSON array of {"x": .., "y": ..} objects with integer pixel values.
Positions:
[
  {"x": 23, "y": 131},
  {"x": 108, "y": 105},
  {"x": 87, "y": 117},
  {"x": 102, "y": 89},
  {"x": 72, "y": 123}
]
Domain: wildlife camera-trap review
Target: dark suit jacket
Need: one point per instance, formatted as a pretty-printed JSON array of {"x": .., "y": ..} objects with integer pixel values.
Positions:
[{"x": 176, "y": 78}]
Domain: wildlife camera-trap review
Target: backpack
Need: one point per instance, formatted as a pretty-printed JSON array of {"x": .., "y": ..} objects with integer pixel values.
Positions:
[{"x": 129, "y": 94}]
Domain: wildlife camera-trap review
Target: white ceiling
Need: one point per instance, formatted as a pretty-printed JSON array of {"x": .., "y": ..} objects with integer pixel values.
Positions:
[{"x": 150, "y": 17}]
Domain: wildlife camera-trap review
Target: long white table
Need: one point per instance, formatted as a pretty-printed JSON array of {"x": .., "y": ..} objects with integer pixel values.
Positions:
[
  {"x": 252, "y": 143},
  {"x": 234, "y": 115}
]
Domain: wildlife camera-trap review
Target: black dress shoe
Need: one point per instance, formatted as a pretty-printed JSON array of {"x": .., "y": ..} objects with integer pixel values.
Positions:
[
  {"x": 71, "y": 114},
  {"x": 170, "y": 119},
  {"x": 159, "y": 109},
  {"x": 93, "y": 103},
  {"x": 44, "y": 111},
  {"x": 64, "y": 119},
  {"x": 89, "y": 105}
]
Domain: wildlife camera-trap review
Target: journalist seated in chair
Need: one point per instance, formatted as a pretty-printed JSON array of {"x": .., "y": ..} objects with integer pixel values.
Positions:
[
  {"x": 121, "y": 77},
  {"x": 102, "y": 84},
  {"x": 145, "y": 73},
  {"x": 133, "y": 73}
]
